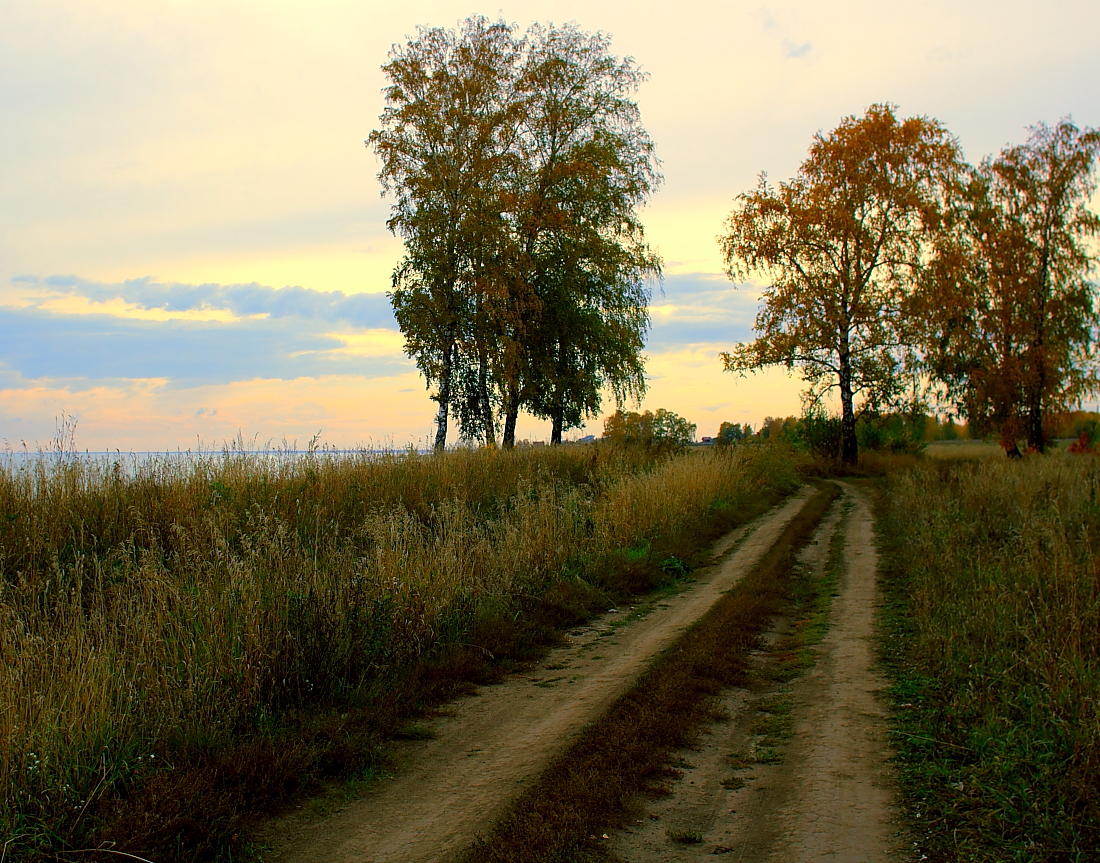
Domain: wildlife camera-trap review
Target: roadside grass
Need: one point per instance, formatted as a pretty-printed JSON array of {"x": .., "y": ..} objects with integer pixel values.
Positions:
[
  {"x": 964, "y": 449},
  {"x": 627, "y": 751},
  {"x": 685, "y": 837},
  {"x": 185, "y": 647},
  {"x": 992, "y": 639}
]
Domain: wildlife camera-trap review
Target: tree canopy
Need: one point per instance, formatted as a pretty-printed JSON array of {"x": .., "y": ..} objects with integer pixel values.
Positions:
[
  {"x": 517, "y": 164},
  {"x": 662, "y": 428},
  {"x": 1009, "y": 306},
  {"x": 841, "y": 244}
]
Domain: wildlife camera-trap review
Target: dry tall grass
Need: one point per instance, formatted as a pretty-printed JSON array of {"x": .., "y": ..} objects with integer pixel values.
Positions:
[
  {"x": 1003, "y": 657},
  {"x": 143, "y": 618}
]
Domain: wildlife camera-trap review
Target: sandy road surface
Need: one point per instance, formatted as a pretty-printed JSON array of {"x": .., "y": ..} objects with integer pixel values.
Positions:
[
  {"x": 451, "y": 788},
  {"x": 829, "y": 796}
]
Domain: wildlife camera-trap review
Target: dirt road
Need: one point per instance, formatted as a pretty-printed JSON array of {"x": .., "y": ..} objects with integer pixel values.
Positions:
[
  {"x": 452, "y": 787},
  {"x": 799, "y": 771}
]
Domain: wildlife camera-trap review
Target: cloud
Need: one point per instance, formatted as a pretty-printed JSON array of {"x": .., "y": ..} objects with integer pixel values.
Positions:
[
  {"x": 794, "y": 51},
  {"x": 68, "y": 327},
  {"x": 244, "y": 300},
  {"x": 142, "y": 360},
  {"x": 701, "y": 307},
  {"x": 87, "y": 332}
]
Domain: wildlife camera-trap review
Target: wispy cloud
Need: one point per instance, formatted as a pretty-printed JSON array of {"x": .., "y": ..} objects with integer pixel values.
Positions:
[
  {"x": 794, "y": 51},
  {"x": 244, "y": 300},
  {"x": 74, "y": 329}
]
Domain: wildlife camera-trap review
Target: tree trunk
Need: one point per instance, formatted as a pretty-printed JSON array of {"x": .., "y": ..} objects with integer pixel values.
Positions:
[
  {"x": 1036, "y": 440},
  {"x": 849, "y": 447},
  {"x": 485, "y": 405},
  {"x": 444, "y": 399},
  {"x": 511, "y": 414},
  {"x": 555, "y": 427},
  {"x": 1036, "y": 353},
  {"x": 557, "y": 416}
]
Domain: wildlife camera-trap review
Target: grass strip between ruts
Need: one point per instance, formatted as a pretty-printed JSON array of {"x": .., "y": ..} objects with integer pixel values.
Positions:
[{"x": 589, "y": 787}]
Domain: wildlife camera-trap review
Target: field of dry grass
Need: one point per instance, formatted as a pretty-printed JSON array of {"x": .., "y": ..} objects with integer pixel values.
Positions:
[
  {"x": 994, "y": 637},
  {"x": 960, "y": 450},
  {"x": 149, "y": 622}
]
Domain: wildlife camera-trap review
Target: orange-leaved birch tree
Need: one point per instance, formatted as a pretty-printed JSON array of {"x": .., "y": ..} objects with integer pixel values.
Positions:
[
  {"x": 1010, "y": 307},
  {"x": 841, "y": 245}
]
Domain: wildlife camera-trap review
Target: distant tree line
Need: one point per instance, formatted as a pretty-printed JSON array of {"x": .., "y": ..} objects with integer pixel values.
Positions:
[
  {"x": 910, "y": 431},
  {"x": 517, "y": 164},
  {"x": 899, "y": 273}
]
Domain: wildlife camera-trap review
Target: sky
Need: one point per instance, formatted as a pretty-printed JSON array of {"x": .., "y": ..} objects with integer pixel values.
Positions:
[{"x": 192, "y": 236}]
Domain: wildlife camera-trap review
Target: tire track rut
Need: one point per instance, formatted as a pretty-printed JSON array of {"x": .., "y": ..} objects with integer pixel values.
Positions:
[{"x": 828, "y": 794}]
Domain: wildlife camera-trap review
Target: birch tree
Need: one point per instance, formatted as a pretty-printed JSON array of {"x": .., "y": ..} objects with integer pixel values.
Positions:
[
  {"x": 444, "y": 142},
  {"x": 841, "y": 245},
  {"x": 587, "y": 166},
  {"x": 1010, "y": 306}
]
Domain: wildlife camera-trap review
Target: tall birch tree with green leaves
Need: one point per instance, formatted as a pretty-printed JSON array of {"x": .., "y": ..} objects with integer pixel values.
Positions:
[
  {"x": 518, "y": 166},
  {"x": 444, "y": 142},
  {"x": 587, "y": 166}
]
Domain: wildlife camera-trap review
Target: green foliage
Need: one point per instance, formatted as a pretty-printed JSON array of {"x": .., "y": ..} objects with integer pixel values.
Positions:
[
  {"x": 518, "y": 165},
  {"x": 729, "y": 433},
  {"x": 661, "y": 430},
  {"x": 895, "y": 433},
  {"x": 1089, "y": 431},
  {"x": 820, "y": 435}
]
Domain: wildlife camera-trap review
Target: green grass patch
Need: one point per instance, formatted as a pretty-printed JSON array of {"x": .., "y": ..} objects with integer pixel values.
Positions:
[{"x": 686, "y": 837}]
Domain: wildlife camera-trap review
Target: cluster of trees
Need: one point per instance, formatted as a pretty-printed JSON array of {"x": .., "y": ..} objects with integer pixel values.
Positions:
[
  {"x": 660, "y": 429},
  {"x": 897, "y": 270},
  {"x": 896, "y": 431},
  {"x": 517, "y": 164},
  {"x": 732, "y": 433},
  {"x": 822, "y": 435}
]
